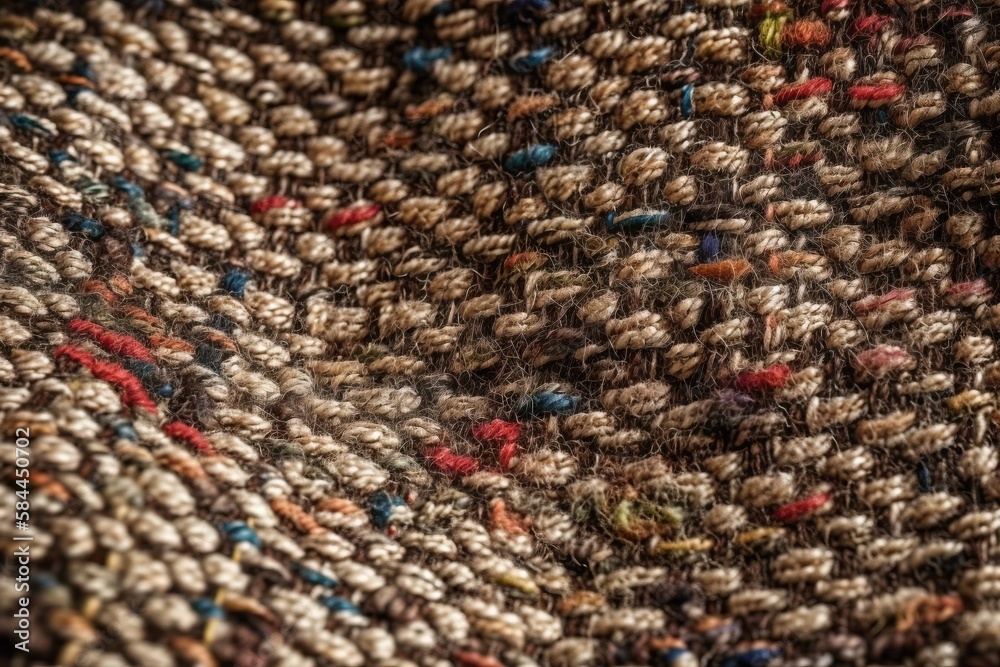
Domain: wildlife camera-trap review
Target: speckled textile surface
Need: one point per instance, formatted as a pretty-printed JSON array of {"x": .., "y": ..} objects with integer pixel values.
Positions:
[{"x": 500, "y": 334}]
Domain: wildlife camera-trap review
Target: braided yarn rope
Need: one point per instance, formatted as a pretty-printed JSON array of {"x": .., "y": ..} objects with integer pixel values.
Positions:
[{"x": 502, "y": 333}]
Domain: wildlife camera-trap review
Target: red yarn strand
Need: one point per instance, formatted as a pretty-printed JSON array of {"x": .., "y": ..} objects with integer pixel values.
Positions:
[
  {"x": 115, "y": 343},
  {"x": 190, "y": 435},
  {"x": 129, "y": 387},
  {"x": 451, "y": 463},
  {"x": 772, "y": 377},
  {"x": 794, "y": 511}
]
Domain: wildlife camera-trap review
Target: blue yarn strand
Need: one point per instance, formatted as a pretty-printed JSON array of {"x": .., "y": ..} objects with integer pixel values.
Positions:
[
  {"x": 235, "y": 282},
  {"x": 527, "y": 10},
  {"x": 206, "y": 608},
  {"x": 419, "y": 59},
  {"x": 381, "y": 505},
  {"x": 76, "y": 222},
  {"x": 530, "y": 62},
  {"x": 95, "y": 191},
  {"x": 636, "y": 220},
  {"x": 143, "y": 369},
  {"x": 711, "y": 247},
  {"x": 124, "y": 429},
  {"x": 338, "y": 604},
  {"x": 754, "y": 658},
  {"x": 529, "y": 158},
  {"x": 210, "y": 357},
  {"x": 28, "y": 124},
  {"x": 316, "y": 578},
  {"x": 547, "y": 403},
  {"x": 57, "y": 157},
  {"x": 130, "y": 189},
  {"x": 83, "y": 69},
  {"x": 924, "y": 479},
  {"x": 440, "y": 9},
  {"x": 237, "y": 531},
  {"x": 687, "y": 100},
  {"x": 174, "y": 220},
  {"x": 150, "y": 376},
  {"x": 185, "y": 161},
  {"x": 676, "y": 657}
]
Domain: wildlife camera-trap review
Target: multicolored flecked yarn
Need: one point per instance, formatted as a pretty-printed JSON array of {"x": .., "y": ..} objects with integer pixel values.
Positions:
[{"x": 503, "y": 334}]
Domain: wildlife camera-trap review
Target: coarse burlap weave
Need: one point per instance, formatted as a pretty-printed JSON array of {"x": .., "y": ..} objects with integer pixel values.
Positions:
[{"x": 486, "y": 333}]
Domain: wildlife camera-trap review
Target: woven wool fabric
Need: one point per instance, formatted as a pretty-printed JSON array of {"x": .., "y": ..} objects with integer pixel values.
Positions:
[{"x": 501, "y": 334}]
